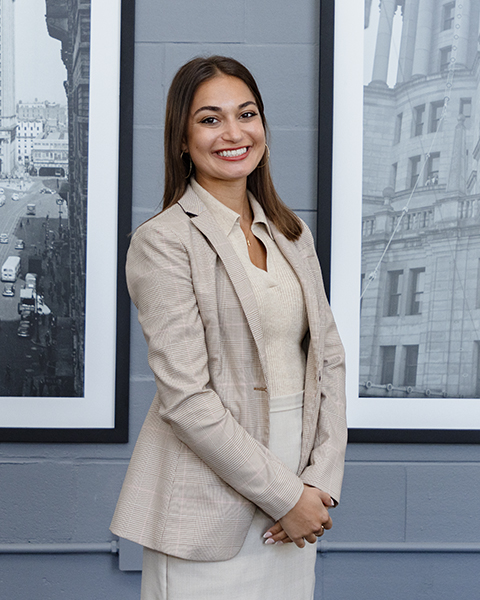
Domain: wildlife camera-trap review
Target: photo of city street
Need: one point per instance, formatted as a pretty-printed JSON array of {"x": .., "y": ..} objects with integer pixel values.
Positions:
[
  {"x": 35, "y": 328},
  {"x": 44, "y": 85}
]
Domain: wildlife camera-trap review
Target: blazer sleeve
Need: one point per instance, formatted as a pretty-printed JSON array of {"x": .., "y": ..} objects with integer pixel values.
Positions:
[
  {"x": 327, "y": 459},
  {"x": 160, "y": 284}
]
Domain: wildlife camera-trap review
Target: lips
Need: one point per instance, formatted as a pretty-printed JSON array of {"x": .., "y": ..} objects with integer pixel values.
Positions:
[{"x": 233, "y": 153}]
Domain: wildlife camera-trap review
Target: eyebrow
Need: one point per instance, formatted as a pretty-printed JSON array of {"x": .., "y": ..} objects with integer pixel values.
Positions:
[{"x": 218, "y": 109}]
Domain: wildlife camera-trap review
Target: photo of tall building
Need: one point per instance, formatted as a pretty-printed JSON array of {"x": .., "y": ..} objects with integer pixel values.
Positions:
[
  {"x": 69, "y": 22},
  {"x": 8, "y": 121},
  {"x": 420, "y": 304}
]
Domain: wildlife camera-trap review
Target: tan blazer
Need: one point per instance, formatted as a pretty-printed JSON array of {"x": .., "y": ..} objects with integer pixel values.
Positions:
[{"x": 201, "y": 463}]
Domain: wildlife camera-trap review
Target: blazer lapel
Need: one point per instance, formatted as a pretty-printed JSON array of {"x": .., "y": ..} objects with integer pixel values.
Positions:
[{"x": 205, "y": 222}]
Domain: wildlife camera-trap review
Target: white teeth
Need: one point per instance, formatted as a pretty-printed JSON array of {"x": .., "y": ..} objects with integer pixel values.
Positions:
[{"x": 232, "y": 153}]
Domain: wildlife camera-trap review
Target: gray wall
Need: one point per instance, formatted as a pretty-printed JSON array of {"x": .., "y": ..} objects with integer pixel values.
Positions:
[{"x": 52, "y": 493}]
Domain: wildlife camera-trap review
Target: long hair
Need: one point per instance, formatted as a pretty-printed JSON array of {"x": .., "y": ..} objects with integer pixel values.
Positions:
[{"x": 178, "y": 165}]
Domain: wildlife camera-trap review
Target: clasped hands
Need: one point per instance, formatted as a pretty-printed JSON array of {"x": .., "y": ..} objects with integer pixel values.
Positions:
[{"x": 305, "y": 521}]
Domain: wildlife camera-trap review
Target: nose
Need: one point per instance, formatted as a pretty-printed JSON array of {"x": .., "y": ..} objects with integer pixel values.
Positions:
[{"x": 233, "y": 131}]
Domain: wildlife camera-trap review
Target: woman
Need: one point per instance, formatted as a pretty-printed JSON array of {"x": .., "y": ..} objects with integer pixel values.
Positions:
[{"x": 242, "y": 450}]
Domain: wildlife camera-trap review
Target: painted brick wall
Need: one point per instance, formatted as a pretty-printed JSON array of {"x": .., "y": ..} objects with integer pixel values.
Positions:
[
  {"x": 278, "y": 41},
  {"x": 54, "y": 493}
]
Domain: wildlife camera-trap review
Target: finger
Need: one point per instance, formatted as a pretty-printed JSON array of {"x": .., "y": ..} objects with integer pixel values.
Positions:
[
  {"x": 327, "y": 500},
  {"x": 320, "y": 532},
  {"x": 275, "y": 534},
  {"x": 270, "y": 533},
  {"x": 278, "y": 537},
  {"x": 329, "y": 523},
  {"x": 311, "y": 538},
  {"x": 285, "y": 540},
  {"x": 274, "y": 529},
  {"x": 300, "y": 542}
]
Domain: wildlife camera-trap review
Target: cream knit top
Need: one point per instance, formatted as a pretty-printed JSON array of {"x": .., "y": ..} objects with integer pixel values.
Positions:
[{"x": 278, "y": 294}]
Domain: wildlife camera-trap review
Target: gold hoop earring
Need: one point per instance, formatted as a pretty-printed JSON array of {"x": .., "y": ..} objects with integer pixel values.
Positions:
[
  {"x": 191, "y": 164},
  {"x": 259, "y": 166}
]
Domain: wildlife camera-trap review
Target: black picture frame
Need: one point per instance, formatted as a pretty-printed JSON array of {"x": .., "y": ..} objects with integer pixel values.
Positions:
[
  {"x": 119, "y": 378},
  {"x": 330, "y": 74}
]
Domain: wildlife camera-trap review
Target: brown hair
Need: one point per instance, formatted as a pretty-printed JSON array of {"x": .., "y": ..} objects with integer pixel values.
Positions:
[{"x": 178, "y": 164}]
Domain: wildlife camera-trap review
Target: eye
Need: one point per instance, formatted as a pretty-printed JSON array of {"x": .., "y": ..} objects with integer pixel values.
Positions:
[
  {"x": 248, "y": 115},
  {"x": 209, "y": 120}
]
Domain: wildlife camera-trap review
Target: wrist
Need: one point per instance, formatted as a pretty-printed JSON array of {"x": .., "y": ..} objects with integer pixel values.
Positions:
[{"x": 327, "y": 500}]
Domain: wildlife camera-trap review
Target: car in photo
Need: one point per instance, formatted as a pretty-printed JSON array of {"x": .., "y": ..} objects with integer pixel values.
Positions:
[
  {"x": 24, "y": 329},
  {"x": 20, "y": 245},
  {"x": 2, "y": 200},
  {"x": 8, "y": 290},
  {"x": 3, "y": 238},
  {"x": 15, "y": 197},
  {"x": 31, "y": 281},
  {"x": 2, "y": 191}
]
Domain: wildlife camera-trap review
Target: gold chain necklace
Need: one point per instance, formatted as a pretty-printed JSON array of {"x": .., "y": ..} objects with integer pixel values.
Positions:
[{"x": 249, "y": 231}]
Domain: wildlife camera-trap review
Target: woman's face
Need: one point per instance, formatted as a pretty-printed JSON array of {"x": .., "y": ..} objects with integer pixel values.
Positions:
[{"x": 226, "y": 138}]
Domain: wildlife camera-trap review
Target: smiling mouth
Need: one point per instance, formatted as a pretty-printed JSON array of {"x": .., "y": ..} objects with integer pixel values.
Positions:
[{"x": 232, "y": 153}]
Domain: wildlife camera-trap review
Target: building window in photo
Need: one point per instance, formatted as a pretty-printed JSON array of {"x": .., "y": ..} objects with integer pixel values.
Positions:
[
  {"x": 466, "y": 209},
  {"x": 432, "y": 169},
  {"x": 411, "y": 363},
  {"x": 398, "y": 128},
  {"x": 388, "y": 364},
  {"x": 393, "y": 176},
  {"x": 436, "y": 109},
  {"x": 416, "y": 289},
  {"x": 448, "y": 16},
  {"x": 466, "y": 107},
  {"x": 368, "y": 226},
  {"x": 445, "y": 57},
  {"x": 418, "y": 119},
  {"x": 414, "y": 170},
  {"x": 394, "y": 293}
]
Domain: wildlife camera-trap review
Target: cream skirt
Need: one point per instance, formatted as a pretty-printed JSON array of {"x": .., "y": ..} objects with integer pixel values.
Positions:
[{"x": 258, "y": 571}]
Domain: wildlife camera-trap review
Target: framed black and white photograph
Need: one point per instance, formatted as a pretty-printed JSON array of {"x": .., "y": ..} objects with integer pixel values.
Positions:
[
  {"x": 66, "y": 83},
  {"x": 405, "y": 251}
]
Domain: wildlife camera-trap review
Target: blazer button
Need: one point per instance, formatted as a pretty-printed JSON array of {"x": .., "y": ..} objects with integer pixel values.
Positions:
[{"x": 319, "y": 377}]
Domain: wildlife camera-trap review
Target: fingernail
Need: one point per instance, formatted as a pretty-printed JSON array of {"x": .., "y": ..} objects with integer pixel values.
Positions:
[
  {"x": 267, "y": 534},
  {"x": 279, "y": 543},
  {"x": 269, "y": 541},
  {"x": 332, "y": 502}
]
